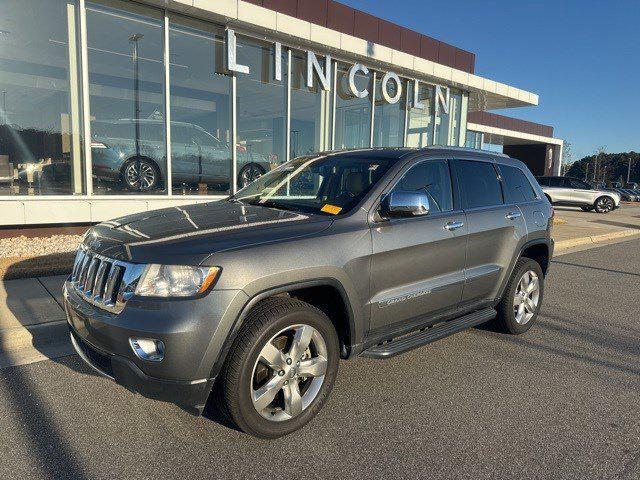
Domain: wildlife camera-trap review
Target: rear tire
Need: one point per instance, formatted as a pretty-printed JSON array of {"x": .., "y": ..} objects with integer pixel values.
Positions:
[
  {"x": 521, "y": 302},
  {"x": 270, "y": 360}
]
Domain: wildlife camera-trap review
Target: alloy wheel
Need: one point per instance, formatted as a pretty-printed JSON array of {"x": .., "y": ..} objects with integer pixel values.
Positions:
[
  {"x": 526, "y": 298},
  {"x": 249, "y": 174},
  {"x": 140, "y": 175},
  {"x": 289, "y": 372},
  {"x": 604, "y": 205}
]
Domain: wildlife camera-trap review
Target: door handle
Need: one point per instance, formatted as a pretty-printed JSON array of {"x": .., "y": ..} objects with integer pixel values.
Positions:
[
  {"x": 451, "y": 226},
  {"x": 512, "y": 215}
]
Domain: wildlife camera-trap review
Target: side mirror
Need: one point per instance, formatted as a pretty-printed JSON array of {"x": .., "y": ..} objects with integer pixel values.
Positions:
[{"x": 404, "y": 204}]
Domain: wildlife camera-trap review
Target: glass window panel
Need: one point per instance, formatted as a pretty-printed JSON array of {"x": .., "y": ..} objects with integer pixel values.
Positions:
[
  {"x": 517, "y": 187},
  {"x": 126, "y": 88},
  {"x": 479, "y": 183},
  {"x": 40, "y": 149},
  {"x": 262, "y": 111},
  {"x": 473, "y": 139},
  {"x": 420, "y": 126},
  {"x": 456, "y": 112},
  {"x": 433, "y": 178},
  {"x": 353, "y": 114},
  {"x": 310, "y": 110},
  {"x": 443, "y": 120},
  {"x": 201, "y": 153},
  {"x": 388, "y": 124}
]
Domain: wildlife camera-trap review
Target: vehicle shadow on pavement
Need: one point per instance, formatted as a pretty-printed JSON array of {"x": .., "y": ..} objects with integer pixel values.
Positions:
[
  {"x": 586, "y": 342},
  {"x": 34, "y": 415},
  {"x": 590, "y": 267}
]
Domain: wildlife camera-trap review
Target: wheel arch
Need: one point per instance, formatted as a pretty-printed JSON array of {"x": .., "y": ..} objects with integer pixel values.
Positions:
[
  {"x": 540, "y": 248},
  {"x": 312, "y": 291}
]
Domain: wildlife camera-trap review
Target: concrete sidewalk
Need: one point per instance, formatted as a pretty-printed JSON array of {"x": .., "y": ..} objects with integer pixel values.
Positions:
[
  {"x": 578, "y": 228},
  {"x": 32, "y": 319}
]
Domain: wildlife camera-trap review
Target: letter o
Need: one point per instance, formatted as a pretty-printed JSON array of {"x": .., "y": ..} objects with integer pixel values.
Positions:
[{"x": 385, "y": 94}]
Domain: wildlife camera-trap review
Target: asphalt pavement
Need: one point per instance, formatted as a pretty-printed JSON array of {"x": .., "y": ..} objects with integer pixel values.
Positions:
[{"x": 560, "y": 401}]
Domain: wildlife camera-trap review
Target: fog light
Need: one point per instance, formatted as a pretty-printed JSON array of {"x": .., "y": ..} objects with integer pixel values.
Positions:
[{"x": 147, "y": 349}]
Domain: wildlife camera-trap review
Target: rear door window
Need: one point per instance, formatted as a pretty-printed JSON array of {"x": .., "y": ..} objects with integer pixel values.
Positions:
[
  {"x": 556, "y": 182},
  {"x": 517, "y": 187},
  {"x": 479, "y": 183},
  {"x": 543, "y": 181}
]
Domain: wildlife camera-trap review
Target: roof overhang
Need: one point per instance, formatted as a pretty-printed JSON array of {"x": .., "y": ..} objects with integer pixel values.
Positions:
[
  {"x": 502, "y": 136},
  {"x": 245, "y": 16}
]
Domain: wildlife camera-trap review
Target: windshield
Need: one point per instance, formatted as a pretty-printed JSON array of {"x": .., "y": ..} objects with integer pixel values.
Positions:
[{"x": 329, "y": 185}]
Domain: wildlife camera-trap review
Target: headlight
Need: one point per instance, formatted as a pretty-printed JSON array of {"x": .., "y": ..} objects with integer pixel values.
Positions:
[{"x": 176, "y": 280}]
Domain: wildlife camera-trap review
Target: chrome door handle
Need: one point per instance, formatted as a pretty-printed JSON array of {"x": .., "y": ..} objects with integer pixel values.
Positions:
[
  {"x": 512, "y": 215},
  {"x": 451, "y": 226}
]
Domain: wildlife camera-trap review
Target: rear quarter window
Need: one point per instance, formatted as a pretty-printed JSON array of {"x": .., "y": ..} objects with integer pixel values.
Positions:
[{"x": 517, "y": 187}]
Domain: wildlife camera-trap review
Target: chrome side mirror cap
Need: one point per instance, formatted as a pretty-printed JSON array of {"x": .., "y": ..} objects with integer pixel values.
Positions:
[{"x": 404, "y": 204}]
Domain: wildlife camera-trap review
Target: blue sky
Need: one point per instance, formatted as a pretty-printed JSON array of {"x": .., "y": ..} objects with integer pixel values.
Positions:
[{"x": 581, "y": 57}]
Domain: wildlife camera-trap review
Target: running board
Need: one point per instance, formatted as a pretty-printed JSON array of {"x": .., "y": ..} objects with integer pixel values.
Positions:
[{"x": 422, "y": 337}]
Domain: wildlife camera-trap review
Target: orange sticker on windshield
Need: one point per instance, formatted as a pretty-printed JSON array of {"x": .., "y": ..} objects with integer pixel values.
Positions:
[{"x": 332, "y": 209}]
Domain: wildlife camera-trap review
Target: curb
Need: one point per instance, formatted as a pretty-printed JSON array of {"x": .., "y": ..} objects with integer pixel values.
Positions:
[
  {"x": 576, "y": 242},
  {"x": 39, "y": 335}
]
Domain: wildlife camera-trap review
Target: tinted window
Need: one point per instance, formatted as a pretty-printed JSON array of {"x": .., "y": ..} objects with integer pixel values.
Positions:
[
  {"x": 434, "y": 179},
  {"x": 556, "y": 182},
  {"x": 578, "y": 184},
  {"x": 543, "y": 181},
  {"x": 479, "y": 184},
  {"x": 517, "y": 185}
]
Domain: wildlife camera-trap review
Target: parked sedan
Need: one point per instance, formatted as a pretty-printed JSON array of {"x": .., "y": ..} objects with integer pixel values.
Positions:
[
  {"x": 627, "y": 195},
  {"x": 566, "y": 191}
]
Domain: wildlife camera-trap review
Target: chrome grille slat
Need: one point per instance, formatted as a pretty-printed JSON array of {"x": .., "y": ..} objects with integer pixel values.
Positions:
[
  {"x": 101, "y": 276},
  {"x": 76, "y": 264},
  {"x": 110, "y": 286},
  {"x": 104, "y": 282},
  {"x": 91, "y": 275},
  {"x": 84, "y": 269}
]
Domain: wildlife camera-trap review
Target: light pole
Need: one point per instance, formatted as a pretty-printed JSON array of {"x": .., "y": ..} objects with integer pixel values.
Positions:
[
  {"x": 629, "y": 171},
  {"x": 136, "y": 95}
]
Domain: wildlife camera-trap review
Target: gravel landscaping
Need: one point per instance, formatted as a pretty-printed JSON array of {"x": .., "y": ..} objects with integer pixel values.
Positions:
[
  {"x": 36, "y": 246},
  {"x": 22, "y": 257}
]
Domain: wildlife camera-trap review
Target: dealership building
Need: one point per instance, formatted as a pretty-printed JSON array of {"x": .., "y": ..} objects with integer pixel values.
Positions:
[{"x": 110, "y": 107}]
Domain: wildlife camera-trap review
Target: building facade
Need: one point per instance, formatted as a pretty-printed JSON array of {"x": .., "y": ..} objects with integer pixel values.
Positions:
[{"x": 109, "y": 107}]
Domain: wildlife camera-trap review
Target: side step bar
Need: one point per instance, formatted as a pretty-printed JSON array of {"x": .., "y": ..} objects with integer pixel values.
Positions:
[{"x": 431, "y": 334}]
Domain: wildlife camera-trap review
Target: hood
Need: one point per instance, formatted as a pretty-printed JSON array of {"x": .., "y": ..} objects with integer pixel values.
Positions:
[{"x": 186, "y": 235}]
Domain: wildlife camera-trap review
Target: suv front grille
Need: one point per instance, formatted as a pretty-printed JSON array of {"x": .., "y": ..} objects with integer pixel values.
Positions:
[{"x": 104, "y": 282}]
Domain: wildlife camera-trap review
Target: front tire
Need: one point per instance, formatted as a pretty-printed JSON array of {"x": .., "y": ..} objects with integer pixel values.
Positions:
[
  {"x": 521, "y": 302},
  {"x": 603, "y": 204},
  {"x": 281, "y": 368}
]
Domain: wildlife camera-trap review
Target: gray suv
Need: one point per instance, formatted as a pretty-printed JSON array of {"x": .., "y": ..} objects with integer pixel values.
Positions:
[{"x": 255, "y": 298}]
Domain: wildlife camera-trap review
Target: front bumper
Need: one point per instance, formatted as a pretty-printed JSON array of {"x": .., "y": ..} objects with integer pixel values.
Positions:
[
  {"x": 193, "y": 332},
  {"x": 190, "y": 395}
]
